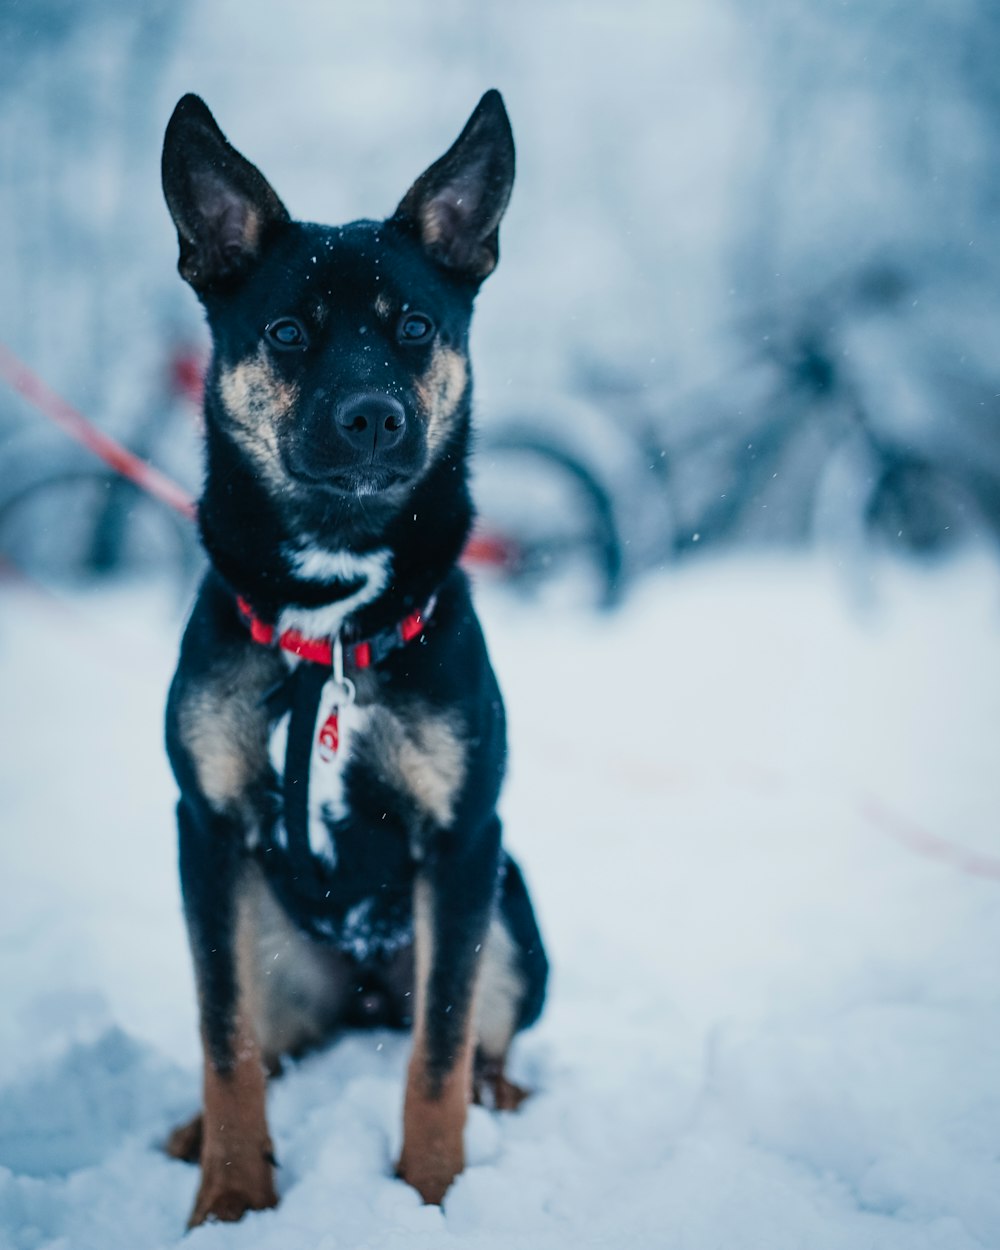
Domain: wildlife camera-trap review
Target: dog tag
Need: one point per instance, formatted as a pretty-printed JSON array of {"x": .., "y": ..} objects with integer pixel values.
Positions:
[
  {"x": 343, "y": 696},
  {"x": 329, "y": 737}
]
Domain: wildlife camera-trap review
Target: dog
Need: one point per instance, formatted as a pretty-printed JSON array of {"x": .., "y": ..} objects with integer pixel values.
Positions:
[{"x": 334, "y": 725}]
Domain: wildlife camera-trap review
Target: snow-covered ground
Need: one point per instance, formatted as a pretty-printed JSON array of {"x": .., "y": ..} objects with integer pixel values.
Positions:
[{"x": 759, "y": 812}]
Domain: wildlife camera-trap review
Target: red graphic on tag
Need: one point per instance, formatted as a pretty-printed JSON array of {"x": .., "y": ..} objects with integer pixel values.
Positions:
[{"x": 329, "y": 737}]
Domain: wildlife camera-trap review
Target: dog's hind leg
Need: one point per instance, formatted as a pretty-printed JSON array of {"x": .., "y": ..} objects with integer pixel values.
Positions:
[
  {"x": 511, "y": 992},
  {"x": 302, "y": 990}
]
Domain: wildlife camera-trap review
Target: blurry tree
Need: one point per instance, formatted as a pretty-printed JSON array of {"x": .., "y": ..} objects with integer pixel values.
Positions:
[{"x": 79, "y": 136}]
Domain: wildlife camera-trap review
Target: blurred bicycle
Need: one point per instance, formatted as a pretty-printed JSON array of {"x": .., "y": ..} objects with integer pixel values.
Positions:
[{"x": 809, "y": 436}]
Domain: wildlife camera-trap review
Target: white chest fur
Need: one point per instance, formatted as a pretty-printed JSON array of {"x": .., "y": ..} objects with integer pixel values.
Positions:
[{"x": 318, "y": 564}]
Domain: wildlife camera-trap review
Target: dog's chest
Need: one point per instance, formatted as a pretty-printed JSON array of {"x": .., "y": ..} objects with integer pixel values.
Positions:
[
  {"x": 336, "y": 736},
  {"x": 363, "y": 787},
  {"x": 342, "y": 870}
]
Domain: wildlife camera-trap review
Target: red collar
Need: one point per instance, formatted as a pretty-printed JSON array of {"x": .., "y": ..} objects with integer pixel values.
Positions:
[{"x": 320, "y": 650}]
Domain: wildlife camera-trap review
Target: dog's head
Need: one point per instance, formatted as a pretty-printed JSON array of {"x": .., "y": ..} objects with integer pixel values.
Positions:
[{"x": 340, "y": 363}]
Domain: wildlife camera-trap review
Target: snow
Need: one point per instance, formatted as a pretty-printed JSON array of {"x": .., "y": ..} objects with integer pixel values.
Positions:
[{"x": 773, "y": 1017}]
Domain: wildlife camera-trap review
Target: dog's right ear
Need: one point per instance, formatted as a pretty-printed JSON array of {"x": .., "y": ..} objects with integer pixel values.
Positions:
[{"x": 223, "y": 207}]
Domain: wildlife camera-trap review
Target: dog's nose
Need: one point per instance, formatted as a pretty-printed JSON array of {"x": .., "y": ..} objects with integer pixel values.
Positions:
[{"x": 371, "y": 422}]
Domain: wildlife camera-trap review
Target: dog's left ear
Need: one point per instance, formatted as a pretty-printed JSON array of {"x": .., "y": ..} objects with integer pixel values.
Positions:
[
  {"x": 223, "y": 207},
  {"x": 456, "y": 205}
]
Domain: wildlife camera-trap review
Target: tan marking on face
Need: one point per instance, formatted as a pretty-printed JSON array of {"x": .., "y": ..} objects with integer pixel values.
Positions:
[
  {"x": 256, "y": 401},
  {"x": 423, "y": 756},
  {"x": 224, "y": 728},
  {"x": 439, "y": 390},
  {"x": 383, "y": 306}
]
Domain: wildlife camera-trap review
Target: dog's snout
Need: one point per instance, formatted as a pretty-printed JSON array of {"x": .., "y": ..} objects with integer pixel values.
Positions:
[{"x": 371, "y": 422}]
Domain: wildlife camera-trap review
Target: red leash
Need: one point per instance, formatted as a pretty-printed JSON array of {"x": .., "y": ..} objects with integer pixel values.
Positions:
[{"x": 20, "y": 377}]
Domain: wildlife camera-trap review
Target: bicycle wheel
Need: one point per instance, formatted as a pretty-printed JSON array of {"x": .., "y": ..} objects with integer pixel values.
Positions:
[
  {"x": 547, "y": 519},
  {"x": 77, "y": 524}
]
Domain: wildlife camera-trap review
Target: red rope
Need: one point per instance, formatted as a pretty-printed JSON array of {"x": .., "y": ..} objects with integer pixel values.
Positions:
[
  {"x": 923, "y": 842},
  {"x": 492, "y": 551},
  {"x": 20, "y": 377}
]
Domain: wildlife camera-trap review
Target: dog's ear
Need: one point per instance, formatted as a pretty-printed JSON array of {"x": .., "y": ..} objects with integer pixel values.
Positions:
[
  {"x": 455, "y": 206},
  {"x": 222, "y": 206}
]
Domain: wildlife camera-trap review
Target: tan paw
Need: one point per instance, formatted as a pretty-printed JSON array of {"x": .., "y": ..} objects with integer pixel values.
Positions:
[
  {"x": 492, "y": 1089},
  {"x": 184, "y": 1142},
  {"x": 431, "y": 1177},
  {"x": 228, "y": 1191}
]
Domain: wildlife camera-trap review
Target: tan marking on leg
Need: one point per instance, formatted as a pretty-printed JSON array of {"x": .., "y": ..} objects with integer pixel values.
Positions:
[
  {"x": 498, "y": 999},
  {"x": 237, "y": 1168},
  {"x": 433, "y": 1121},
  {"x": 434, "y": 1112},
  {"x": 300, "y": 987},
  {"x": 237, "y": 1160},
  {"x": 500, "y": 990},
  {"x": 440, "y": 390}
]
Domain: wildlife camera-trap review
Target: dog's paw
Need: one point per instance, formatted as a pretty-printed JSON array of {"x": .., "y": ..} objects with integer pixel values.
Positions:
[
  {"x": 431, "y": 1178},
  {"x": 492, "y": 1089},
  {"x": 230, "y": 1189},
  {"x": 504, "y": 1095},
  {"x": 184, "y": 1142}
]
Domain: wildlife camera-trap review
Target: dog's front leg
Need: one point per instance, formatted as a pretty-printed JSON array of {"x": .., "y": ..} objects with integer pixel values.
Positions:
[
  {"x": 453, "y": 900},
  {"x": 237, "y": 1165}
]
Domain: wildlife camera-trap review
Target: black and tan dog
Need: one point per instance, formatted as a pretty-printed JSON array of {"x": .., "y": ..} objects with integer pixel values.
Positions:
[{"x": 334, "y": 725}]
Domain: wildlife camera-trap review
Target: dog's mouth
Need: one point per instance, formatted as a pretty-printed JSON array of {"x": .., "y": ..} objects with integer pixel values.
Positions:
[
  {"x": 367, "y": 480},
  {"x": 359, "y": 480}
]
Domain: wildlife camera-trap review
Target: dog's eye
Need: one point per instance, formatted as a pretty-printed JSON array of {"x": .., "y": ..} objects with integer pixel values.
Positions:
[
  {"x": 286, "y": 333},
  {"x": 415, "y": 328}
]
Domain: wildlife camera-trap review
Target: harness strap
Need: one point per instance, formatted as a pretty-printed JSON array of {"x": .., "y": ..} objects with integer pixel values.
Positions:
[
  {"x": 307, "y": 691},
  {"x": 299, "y": 694}
]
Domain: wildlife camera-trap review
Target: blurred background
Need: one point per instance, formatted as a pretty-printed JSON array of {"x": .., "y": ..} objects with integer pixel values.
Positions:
[
  {"x": 739, "y": 486},
  {"x": 748, "y": 282}
]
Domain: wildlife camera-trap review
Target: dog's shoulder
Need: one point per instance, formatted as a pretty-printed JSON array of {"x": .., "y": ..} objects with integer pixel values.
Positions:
[{"x": 216, "y": 711}]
